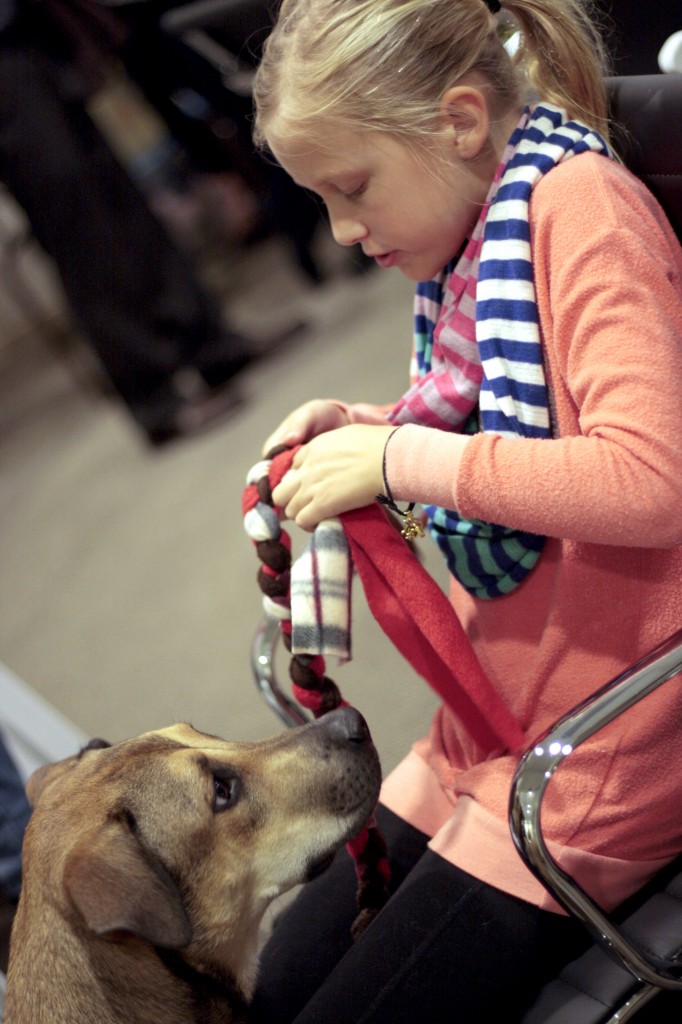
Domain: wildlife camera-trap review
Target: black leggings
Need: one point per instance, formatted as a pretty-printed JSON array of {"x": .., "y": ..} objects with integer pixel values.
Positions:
[{"x": 446, "y": 947}]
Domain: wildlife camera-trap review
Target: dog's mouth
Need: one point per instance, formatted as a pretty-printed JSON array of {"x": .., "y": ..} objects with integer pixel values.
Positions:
[{"x": 318, "y": 867}]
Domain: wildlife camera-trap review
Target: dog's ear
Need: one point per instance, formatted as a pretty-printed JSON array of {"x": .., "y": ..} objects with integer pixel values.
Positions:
[
  {"x": 48, "y": 773},
  {"x": 36, "y": 783},
  {"x": 117, "y": 888}
]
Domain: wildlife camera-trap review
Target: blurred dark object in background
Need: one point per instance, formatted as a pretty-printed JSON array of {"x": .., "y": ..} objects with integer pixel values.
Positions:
[
  {"x": 194, "y": 64},
  {"x": 635, "y": 32}
]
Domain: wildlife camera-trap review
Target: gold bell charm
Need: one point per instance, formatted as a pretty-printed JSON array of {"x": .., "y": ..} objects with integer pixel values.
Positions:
[{"x": 412, "y": 527}]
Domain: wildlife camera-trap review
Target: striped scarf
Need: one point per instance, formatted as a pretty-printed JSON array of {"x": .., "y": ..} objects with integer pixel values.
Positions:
[{"x": 478, "y": 353}]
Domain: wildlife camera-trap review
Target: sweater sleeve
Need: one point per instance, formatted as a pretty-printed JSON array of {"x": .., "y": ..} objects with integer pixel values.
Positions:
[{"x": 608, "y": 275}]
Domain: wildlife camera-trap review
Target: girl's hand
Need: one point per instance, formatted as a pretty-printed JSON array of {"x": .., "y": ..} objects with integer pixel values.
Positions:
[
  {"x": 333, "y": 473},
  {"x": 309, "y": 420}
]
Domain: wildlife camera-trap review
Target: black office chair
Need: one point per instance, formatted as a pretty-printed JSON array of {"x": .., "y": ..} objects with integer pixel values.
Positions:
[
  {"x": 647, "y": 112},
  {"x": 637, "y": 953}
]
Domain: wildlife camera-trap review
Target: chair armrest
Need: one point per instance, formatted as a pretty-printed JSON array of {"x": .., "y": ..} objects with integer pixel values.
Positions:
[{"x": 530, "y": 783}]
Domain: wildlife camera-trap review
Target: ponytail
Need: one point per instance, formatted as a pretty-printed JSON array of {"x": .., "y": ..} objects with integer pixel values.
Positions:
[{"x": 563, "y": 56}]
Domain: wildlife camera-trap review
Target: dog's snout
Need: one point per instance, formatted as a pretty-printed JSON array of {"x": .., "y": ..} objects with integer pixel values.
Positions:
[
  {"x": 346, "y": 772},
  {"x": 346, "y": 725}
]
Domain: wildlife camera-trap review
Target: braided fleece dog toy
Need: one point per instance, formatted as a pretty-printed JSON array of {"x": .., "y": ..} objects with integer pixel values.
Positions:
[{"x": 311, "y": 687}]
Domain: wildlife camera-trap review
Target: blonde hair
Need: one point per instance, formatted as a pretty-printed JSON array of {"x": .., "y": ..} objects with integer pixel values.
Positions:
[{"x": 384, "y": 65}]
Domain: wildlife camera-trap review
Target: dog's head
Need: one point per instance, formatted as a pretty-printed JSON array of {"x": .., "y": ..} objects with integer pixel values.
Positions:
[{"x": 181, "y": 839}]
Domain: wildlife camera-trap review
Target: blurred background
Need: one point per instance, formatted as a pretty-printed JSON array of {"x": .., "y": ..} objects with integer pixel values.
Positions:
[{"x": 166, "y": 297}]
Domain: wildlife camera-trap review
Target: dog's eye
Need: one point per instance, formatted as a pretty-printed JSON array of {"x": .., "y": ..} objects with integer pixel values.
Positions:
[{"x": 226, "y": 791}]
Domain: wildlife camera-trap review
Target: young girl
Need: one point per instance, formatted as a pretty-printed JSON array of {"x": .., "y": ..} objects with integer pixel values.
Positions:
[{"x": 542, "y": 433}]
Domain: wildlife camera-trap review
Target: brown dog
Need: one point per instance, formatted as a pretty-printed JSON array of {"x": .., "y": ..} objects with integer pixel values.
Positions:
[{"x": 148, "y": 866}]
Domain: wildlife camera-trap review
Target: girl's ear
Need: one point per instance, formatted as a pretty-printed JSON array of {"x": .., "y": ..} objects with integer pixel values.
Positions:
[{"x": 465, "y": 118}]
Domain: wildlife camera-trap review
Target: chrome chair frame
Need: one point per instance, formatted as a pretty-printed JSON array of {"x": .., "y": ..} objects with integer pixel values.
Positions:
[
  {"x": 536, "y": 770},
  {"x": 263, "y": 650}
]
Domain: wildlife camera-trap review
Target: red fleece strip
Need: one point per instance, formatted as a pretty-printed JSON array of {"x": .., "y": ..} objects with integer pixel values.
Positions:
[{"x": 417, "y": 617}]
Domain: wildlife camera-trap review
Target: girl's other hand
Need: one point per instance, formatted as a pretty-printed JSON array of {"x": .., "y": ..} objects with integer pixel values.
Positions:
[
  {"x": 335, "y": 472},
  {"x": 310, "y": 419}
]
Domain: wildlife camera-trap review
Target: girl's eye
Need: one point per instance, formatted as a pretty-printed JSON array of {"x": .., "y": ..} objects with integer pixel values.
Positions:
[
  {"x": 357, "y": 192},
  {"x": 226, "y": 792}
]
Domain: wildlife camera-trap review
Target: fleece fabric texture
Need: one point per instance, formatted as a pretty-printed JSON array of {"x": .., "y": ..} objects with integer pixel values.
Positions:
[
  {"x": 607, "y": 493},
  {"x": 415, "y": 615}
]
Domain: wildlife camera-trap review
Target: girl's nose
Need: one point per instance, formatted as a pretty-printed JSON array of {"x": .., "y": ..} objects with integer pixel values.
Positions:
[{"x": 347, "y": 230}]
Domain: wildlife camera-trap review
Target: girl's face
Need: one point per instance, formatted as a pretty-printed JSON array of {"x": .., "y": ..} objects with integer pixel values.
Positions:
[{"x": 406, "y": 210}]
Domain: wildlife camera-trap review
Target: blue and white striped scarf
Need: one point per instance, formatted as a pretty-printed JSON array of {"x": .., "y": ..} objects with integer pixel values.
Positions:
[{"x": 478, "y": 350}]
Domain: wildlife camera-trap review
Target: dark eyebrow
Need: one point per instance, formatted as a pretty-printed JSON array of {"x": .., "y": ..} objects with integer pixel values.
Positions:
[{"x": 215, "y": 766}]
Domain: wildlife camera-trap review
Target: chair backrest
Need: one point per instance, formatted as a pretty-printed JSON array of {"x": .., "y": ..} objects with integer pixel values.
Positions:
[{"x": 647, "y": 113}]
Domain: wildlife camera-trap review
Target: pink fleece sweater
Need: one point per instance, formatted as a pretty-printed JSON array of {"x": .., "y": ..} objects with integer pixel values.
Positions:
[{"x": 607, "y": 492}]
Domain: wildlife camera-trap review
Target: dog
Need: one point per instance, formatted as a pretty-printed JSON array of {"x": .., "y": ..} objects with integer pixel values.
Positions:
[{"x": 148, "y": 866}]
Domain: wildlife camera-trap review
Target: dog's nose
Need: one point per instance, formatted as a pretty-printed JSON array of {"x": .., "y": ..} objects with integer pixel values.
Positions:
[{"x": 346, "y": 725}]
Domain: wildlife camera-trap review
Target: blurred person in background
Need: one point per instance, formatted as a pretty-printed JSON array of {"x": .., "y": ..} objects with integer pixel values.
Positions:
[
  {"x": 159, "y": 337},
  {"x": 635, "y": 32}
]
